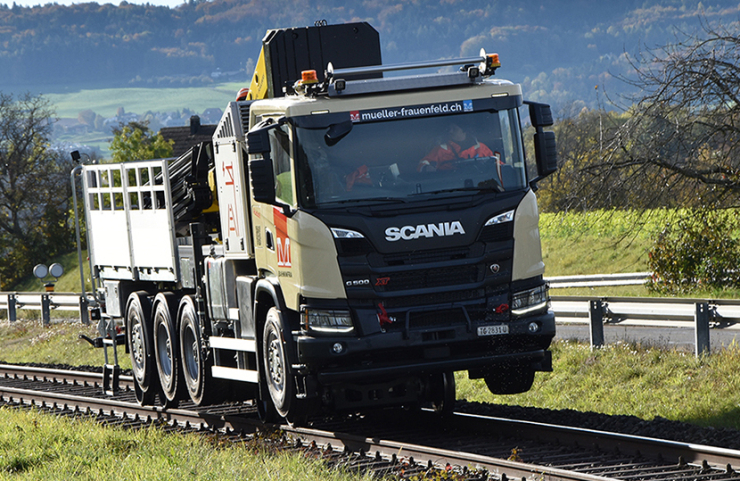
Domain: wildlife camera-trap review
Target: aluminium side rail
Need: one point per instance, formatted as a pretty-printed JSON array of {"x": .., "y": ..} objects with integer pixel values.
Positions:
[{"x": 130, "y": 223}]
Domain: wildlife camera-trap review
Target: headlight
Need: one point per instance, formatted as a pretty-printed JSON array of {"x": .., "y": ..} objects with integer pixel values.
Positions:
[
  {"x": 530, "y": 301},
  {"x": 328, "y": 321},
  {"x": 340, "y": 233},
  {"x": 501, "y": 218}
]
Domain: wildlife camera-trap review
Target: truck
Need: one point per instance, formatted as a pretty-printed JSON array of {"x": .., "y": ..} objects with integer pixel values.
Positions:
[{"x": 325, "y": 251}]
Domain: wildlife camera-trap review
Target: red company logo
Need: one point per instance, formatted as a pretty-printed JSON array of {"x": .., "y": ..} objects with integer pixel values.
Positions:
[{"x": 354, "y": 116}]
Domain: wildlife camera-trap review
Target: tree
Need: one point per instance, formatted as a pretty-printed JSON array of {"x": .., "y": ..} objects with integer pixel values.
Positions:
[
  {"x": 683, "y": 132},
  {"x": 34, "y": 188},
  {"x": 136, "y": 141}
]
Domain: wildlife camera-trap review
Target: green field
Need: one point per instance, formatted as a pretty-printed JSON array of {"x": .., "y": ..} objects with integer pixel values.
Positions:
[{"x": 141, "y": 100}]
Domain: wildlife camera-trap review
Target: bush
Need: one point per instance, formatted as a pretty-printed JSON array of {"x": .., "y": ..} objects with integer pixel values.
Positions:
[{"x": 700, "y": 249}]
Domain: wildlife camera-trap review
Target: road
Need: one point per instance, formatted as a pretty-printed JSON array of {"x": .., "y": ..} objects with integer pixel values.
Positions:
[{"x": 670, "y": 337}]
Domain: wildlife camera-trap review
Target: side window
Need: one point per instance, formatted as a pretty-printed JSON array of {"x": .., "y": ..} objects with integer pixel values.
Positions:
[{"x": 280, "y": 148}]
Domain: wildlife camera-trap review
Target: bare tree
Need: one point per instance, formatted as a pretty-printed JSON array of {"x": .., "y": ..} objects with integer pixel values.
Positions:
[
  {"x": 676, "y": 144},
  {"x": 34, "y": 187},
  {"x": 683, "y": 133}
]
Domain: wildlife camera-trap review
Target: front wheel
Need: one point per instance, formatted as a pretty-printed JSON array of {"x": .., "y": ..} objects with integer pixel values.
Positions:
[
  {"x": 195, "y": 371},
  {"x": 442, "y": 393},
  {"x": 510, "y": 380},
  {"x": 278, "y": 372}
]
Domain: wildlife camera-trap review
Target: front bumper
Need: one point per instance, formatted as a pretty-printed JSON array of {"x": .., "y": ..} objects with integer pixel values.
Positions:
[{"x": 383, "y": 355}]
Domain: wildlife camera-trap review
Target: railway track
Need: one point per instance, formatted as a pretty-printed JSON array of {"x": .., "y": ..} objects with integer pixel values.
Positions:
[{"x": 396, "y": 442}]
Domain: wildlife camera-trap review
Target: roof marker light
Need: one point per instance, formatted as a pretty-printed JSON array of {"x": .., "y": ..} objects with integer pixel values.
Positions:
[{"x": 309, "y": 77}]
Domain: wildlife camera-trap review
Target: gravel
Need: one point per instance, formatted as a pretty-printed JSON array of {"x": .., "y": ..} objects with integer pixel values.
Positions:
[{"x": 656, "y": 428}]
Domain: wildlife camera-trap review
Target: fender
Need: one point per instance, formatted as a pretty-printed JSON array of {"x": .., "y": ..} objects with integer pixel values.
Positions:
[{"x": 270, "y": 287}]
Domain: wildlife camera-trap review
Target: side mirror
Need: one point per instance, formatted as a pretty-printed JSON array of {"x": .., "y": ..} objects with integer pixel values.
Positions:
[
  {"x": 546, "y": 153},
  {"x": 540, "y": 114},
  {"x": 545, "y": 148},
  {"x": 260, "y": 169}
]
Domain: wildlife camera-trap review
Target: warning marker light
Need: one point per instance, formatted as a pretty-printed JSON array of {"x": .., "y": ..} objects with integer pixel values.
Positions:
[{"x": 309, "y": 77}]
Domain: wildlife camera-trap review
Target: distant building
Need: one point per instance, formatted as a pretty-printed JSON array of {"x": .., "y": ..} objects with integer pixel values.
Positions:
[{"x": 186, "y": 137}]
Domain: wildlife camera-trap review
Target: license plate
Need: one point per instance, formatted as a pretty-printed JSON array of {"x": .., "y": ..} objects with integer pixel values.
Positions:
[{"x": 493, "y": 330}]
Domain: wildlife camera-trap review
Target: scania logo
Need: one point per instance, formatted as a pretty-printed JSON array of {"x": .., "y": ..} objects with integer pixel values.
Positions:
[{"x": 410, "y": 232}]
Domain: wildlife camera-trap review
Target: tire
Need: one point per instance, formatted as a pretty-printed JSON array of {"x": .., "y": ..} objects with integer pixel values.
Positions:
[
  {"x": 141, "y": 347},
  {"x": 442, "y": 393},
  {"x": 167, "y": 348},
  {"x": 278, "y": 372},
  {"x": 194, "y": 369},
  {"x": 510, "y": 380}
]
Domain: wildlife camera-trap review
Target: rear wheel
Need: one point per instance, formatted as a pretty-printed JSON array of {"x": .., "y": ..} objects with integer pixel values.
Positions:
[
  {"x": 511, "y": 380},
  {"x": 141, "y": 346},
  {"x": 166, "y": 347},
  {"x": 194, "y": 367}
]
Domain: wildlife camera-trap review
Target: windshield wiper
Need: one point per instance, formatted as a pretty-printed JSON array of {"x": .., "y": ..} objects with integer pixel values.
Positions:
[
  {"x": 463, "y": 189},
  {"x": 370, "y": 199}
]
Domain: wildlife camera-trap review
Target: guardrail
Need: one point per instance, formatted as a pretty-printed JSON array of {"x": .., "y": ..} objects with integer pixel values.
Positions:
[
  {"x": 44, "y": 302},
  {"x": 599, "y": 280},
  {"x": 700, "y": 314}
]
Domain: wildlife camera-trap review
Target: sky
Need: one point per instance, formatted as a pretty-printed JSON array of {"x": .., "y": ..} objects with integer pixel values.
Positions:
[{"x": 30, "y": 3}]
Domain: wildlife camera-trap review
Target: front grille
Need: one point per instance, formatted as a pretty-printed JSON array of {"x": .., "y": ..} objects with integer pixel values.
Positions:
[
  {"x": 441, "y": 318},
  {"x": 436, "y": 298},
  {"x": 439, "y": 277},
  {"x": 422, "y": 257}
]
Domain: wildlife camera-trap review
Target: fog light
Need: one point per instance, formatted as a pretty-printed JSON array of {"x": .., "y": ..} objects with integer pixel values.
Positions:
[
  {"x": 337, "y": 348},
  {"x": 533, "y": 327}
]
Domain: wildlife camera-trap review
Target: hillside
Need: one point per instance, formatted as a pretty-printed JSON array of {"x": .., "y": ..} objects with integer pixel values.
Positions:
[{"x": 559, "y": 50}]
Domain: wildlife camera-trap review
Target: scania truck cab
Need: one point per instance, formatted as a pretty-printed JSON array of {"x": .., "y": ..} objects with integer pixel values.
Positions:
[{"x": 396, "y": 273}]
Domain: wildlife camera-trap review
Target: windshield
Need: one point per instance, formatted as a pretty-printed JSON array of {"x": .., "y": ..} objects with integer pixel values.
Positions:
[{"x": 403, "y": 160}]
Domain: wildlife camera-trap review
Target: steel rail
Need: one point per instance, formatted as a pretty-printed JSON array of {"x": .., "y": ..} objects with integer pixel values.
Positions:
[
  {"x": 629, "y": 444},
  {"x": 83, "y": 378},
  {"x": 233, "y": 419},
  {"x": 202, "y": 420}
]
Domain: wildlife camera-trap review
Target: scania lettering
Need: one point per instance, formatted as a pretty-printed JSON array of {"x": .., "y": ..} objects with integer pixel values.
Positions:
[
  {"x": 347, "y": 240},
  {"x": 409, "y": 232}
]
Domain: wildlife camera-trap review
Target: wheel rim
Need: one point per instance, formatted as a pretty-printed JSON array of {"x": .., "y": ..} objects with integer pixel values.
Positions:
[
  {"x": 277, "y": 371},
  {"x": 137, "y": 349},
  {"x": 190, "y": 354},
  {"x": 164, "y": 349}
]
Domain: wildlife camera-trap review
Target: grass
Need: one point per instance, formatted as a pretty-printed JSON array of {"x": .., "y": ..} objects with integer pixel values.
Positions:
[
  {"x": 34, "y": 446},
  {"x": 58, "y": 343},
  {"x": 630, "y": 379}
]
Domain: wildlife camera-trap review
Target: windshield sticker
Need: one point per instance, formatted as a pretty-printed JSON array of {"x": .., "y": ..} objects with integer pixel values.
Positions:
[{"x": 415, "y": 111}]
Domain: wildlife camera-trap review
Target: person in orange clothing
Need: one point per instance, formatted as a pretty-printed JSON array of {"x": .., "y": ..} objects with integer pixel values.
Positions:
[{"x": 459, "y": 146}]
